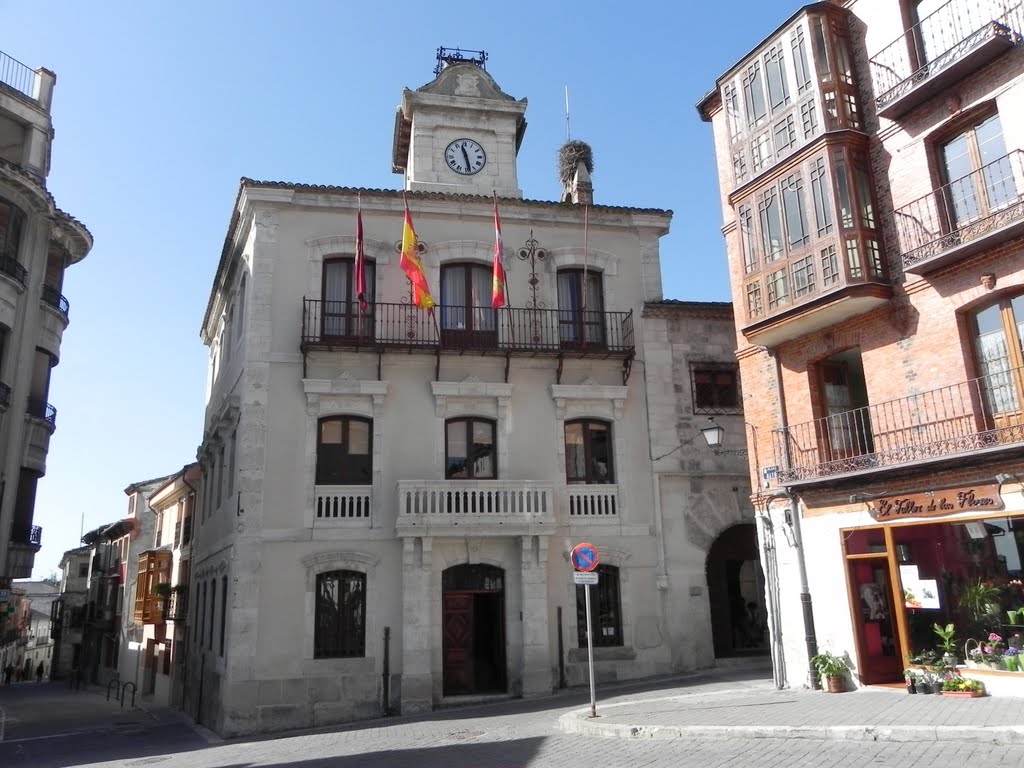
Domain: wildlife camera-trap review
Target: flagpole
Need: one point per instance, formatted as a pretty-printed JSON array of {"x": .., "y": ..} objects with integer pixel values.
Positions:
[{"x": 499, "y": 257}]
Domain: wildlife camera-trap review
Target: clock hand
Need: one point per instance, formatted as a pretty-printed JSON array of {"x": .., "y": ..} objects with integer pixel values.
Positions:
[{"x": 465, "y": 155}]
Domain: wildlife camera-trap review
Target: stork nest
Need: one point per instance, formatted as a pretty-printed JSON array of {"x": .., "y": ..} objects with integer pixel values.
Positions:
[{"x": 570, "y": 156}]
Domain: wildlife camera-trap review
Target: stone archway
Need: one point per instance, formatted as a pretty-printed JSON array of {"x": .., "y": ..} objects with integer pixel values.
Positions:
[{"x": 736, "y": 593}]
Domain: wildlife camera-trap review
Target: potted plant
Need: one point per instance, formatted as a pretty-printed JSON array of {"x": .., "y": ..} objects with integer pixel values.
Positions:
[
  {"x": 947, "y": 643},
  {"x": 833, "y": 668},
  {"x": 993, "y": 650},
  {"x": 162, "y": 589},
  {"x": 911, "y": 676},
  {"x": 978, "y": 598},
  {"x": 1011, "y": 659},
  {"x": 960, "y": 687}
]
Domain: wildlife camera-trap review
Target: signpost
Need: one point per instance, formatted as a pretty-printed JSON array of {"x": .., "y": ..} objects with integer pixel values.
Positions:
[{"x": 585, "y": 559}]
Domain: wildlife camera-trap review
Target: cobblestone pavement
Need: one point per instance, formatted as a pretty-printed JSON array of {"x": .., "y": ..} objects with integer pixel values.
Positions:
[{"x": 525, "y": 733}]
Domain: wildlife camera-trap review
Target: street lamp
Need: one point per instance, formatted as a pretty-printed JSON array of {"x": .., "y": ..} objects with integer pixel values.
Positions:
[{"x": 713, "y": 434}]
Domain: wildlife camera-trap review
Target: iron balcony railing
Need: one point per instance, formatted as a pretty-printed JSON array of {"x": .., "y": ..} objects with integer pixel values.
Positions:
[
  {"x": 16, "y": 75},
  {"x": 41, "y": 409},
  {"x": 5, "y": 395},
  {"x": 177, "y": 604},
  {"x": 11, "y": 267},
  {"x": 963, "y": 210},
  {"x": 466, "y": 329},
  {"x": 942, "y": 38},
  {"x": 55, "y": 299},
  {"x": 963, "y": 418},
  {"x": 32, "y": 535}
]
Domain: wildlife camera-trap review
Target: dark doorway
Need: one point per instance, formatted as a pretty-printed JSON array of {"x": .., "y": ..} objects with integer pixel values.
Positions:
[
  {"x": 473, "y": 630},
  {"x": 739, "y": 624}
]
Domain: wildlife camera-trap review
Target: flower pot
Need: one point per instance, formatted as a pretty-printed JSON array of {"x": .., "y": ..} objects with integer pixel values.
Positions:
[
  {"x": 1012, "y": 663},
  {"x": 963, "y": 694},
  {"x": 1013, "y": 616},
  {"x": 836, "y": 684},
  {"x": 911, "y": 687},
  {"x": 925, "y": 688}
]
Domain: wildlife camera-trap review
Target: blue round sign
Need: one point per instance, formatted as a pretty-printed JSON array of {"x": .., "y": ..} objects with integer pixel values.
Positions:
[{"x": 584, "y": 557}]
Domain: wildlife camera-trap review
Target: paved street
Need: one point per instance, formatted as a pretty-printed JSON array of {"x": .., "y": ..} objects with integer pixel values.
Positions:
[{"x": 86, "y": 730}]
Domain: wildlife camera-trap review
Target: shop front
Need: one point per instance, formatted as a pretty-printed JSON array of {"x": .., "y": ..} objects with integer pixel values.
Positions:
[{"x": 919, "y": 561}]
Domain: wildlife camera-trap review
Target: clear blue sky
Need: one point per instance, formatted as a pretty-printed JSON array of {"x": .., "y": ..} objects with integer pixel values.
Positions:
[{"x": 160, "y": 108}]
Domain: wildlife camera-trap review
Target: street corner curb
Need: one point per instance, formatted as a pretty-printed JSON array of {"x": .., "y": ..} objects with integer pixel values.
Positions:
[{"x": 580, "y": 722}]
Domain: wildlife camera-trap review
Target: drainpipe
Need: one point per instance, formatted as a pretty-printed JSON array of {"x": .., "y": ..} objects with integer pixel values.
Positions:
[{"x": 793, "y": 521}]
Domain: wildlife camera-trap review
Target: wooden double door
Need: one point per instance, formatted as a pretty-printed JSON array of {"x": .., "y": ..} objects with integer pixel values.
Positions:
[{"x": 473, "y": 640}]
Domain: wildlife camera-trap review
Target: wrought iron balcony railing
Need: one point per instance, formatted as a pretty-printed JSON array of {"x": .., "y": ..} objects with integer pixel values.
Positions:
[
  {"x": 341, "y": 324},
  {"x": 32, "y": 535},
  {"x": 963, "y": 211},
  {"x": 11, "y": 267},
  {"x": 177, "y": 604},
  {"x": 16, "y": 75},
  {"x": 55, "y": 299},
  {"x": 459, "y": 507},
  {"x": 40, "y": 409},
  {"x": 952, "y": 34},
  {"x": 967, "y": 417}
]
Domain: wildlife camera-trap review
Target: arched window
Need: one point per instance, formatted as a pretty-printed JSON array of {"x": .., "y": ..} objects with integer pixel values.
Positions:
[
  {"x": 470, "y": 450},
  {"x": 998, "y": 332},
  {"x": 580, "y": 308},
  {"x": 342, "y": 315},
  {"x": 340, "y": 622},
  {"x": 467, "y": 319},
  {"x": 344, "y": 451},
  {"x": 605, "y": 609},
  {"x": 588, "y": 452}
]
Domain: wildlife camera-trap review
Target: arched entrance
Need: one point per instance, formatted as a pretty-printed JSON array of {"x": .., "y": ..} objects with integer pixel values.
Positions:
[
  {"x": 739, "y": 624},
  {"x": 473, "y": 629}
]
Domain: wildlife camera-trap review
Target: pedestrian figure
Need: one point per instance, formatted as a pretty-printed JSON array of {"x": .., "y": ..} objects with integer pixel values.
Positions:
[
  {"x": 8, "y": 674},
  {"x": 39, "y": 672}
]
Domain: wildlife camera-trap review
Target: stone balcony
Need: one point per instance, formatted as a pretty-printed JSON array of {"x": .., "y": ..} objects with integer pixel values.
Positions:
[{"x": 474, "y": 508}]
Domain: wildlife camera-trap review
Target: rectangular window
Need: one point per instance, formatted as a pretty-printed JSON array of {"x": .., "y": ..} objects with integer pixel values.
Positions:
[
  {"x": 778, "y": 289},
  {"x": 761, "y": 149},
  {"x": 775, "y": 72},
  {"x": 785, "y": 134},
  {"x": 820, "y": 49},
  {"x": 822, "y": 199},
  {"x": 746, "y": 216},
  {"x": 853, "y": 258},
  {"x": 605, "y": 609},
  {"x": 755, "y": 304},
  {"x": 842, "y": 52},
  {"x": 344, "y": 451},
  {"x": 340, "y": 620},
  {"x": 803, "y": 72},
  {"x": 803, "y": 276},
  {"x": 588, "y": 453},
  {"x": 864, "y": 197},
  {"x": 874, "y": 258},
  {"x": 771, "y": 225},
  {"x": 809, "y": 118},
  {"x": 796, "y": 216},
  {"x": 843, "y": 185},
  {"x": 223, "y": 610},
  {"x": 852, "y": 114},
  {"x": 831, "y": 109},
  {"x": 732, "y": 109},
  {"x": 739, "y": 165},
  {"x": 232, "y": 448},
  {"x": 829, "y": 266},
  {"x": 715, "y": 388},
  {"x": 213, "y": 607},
  {"x": 753, "y": 94}
]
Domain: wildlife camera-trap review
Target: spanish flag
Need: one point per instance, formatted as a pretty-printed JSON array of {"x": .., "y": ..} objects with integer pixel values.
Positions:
[
  {"x": 360, "y": 262},
  {"x": 413, "y": 266},
  {"x": 498, "y": 296}
]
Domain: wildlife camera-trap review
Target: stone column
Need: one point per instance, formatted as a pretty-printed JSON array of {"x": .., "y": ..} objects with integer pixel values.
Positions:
[
  {"x": 536, "y": 629},
  {"x": 417, "y": 609}
]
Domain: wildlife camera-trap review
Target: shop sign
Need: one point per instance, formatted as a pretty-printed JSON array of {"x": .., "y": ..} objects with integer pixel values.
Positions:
[{"x": 978, "y": 498}]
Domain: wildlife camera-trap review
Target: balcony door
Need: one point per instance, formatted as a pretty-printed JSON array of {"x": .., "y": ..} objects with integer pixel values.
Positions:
[
  {"x": 998, "y": 334},
  {"x": 467, "y": 318},
  {"x": 580, "y": 309},
  {"x": 342, "y": 315},
  {"x": 978, "y": 174},
  {"x": 844, "y": 401}
]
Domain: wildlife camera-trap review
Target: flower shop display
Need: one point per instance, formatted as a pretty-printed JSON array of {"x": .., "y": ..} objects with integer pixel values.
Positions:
[
  {"x": 833, "y": 668},
  {"x": 957, "y": 686}
]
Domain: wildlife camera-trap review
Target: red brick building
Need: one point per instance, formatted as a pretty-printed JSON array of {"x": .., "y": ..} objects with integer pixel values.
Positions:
[{"x": 872, "y": 185}]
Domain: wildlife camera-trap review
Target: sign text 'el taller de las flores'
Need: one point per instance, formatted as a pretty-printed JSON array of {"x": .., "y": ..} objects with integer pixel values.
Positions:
[{"x": 980, "y": 498}]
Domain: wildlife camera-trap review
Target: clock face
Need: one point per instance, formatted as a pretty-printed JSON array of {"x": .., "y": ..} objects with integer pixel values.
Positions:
[{"x": 465, "y": 156}]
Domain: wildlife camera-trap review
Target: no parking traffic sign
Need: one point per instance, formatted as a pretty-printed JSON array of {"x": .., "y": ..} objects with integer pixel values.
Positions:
[{"x": 584, "y": 557}]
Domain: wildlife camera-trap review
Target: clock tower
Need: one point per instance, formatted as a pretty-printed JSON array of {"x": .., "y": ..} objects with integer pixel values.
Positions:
[{"x": 459, "y": 133}]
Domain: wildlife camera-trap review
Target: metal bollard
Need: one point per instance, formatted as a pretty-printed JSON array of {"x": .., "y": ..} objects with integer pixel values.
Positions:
[{"x": 125, "y": 688}]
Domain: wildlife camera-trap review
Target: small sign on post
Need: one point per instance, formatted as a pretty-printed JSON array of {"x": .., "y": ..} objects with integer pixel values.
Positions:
[{"x": 585, "y": 559}]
